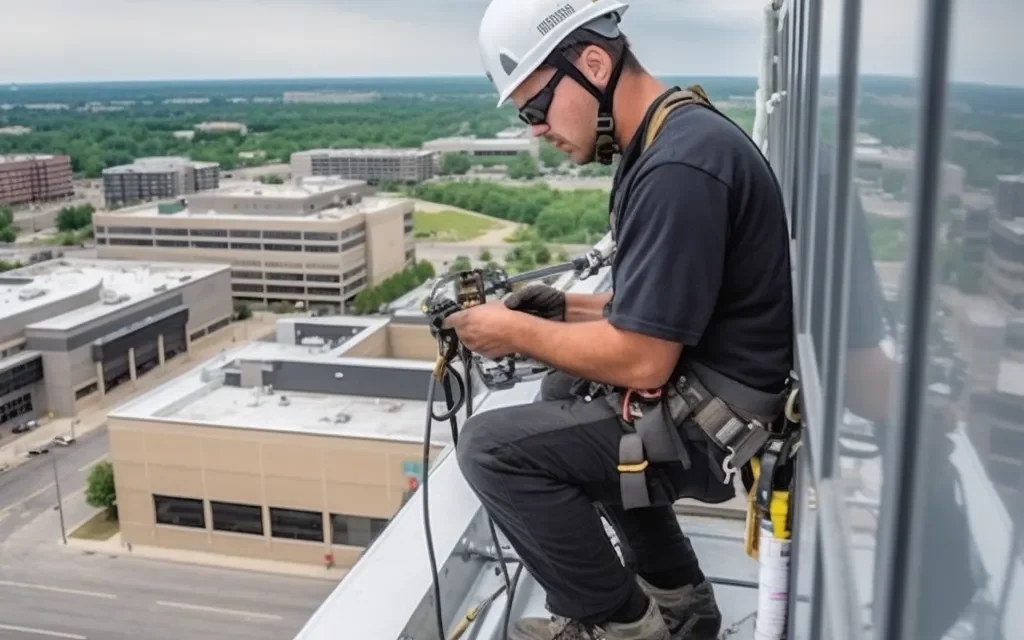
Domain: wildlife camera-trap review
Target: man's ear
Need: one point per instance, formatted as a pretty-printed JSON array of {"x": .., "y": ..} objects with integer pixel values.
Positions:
[{"x": 597, "y": 66}]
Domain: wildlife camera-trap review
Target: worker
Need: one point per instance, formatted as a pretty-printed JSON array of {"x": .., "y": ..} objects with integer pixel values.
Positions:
[{"x": 701, "y": 274}]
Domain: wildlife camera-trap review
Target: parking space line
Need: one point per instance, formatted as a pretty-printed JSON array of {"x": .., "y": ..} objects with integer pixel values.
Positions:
[
  {"x": 89, "y": 465},
  {"x": 234, "y": 612},
  {"x": 43, "y": 632}
]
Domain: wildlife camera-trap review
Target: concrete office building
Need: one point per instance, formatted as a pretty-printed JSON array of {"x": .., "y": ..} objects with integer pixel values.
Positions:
[
  {"x": 157, "y": 177},
  {"x": 1004, "y": 263},
  {"x": 316, "y": 241},
  {"x": 1009, "y": 195},
  {"x": 71, "y": 330},
  {"x": 485, "y": 147},
  {"x": 26, "y": 179},
  {"x": 371, "y": 165},
  {"x": 298, "y": 450},
  {"x": 995, "y": 430},
  {"x": 872, "y": 160}
]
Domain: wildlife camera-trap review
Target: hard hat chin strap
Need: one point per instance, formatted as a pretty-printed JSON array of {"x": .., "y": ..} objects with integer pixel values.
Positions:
[{"x": 605, "y": 146}]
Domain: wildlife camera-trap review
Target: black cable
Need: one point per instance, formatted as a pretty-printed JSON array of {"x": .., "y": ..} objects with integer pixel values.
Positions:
[
  {"x": 511, "y": 591},
  {"x": 426, "y": 510}
]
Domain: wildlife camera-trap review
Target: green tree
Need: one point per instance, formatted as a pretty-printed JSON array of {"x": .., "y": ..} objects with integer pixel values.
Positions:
[
  {"x": 6, "y": 217},
  {"x": 99, "y": 487},
  {"x": 75, "y": 217},
  {"x": 8, "y": 234},
  {"x": 485, "y": 255},
  {"x": 243, "y": 311},
  {"x": 550, "y": 156},
  {"x": 541, "y": 253},
  {"x": 8, "y": 266},
  {"x": 455, "y": 163},
  {"x": 461, "y": 263},
  {"x": 523, "y": 167}
]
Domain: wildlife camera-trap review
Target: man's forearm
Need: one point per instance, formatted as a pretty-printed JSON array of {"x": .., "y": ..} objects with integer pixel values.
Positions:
[{"x": 584, "y": 307}]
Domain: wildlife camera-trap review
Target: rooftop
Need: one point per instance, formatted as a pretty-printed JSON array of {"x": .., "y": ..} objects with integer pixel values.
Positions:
[
  {"x": 24, "y": 157},
  {"x": 297, "y": 190},
  {"x": 357, "y": 153},
  {"x": 157, "y": 164},
  {"x": 511, "y": 142},
  {"x": 217, "y": 393},
  {"x": 1011, "y": 378},
  {"x": 116, "y": 284},
  {"x": 366, "y": 206}
]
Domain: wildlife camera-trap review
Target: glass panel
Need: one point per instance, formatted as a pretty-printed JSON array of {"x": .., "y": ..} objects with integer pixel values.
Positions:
[
  {"x": 182, "y": 512},
  {"x": 237, "y": 518},
  {"x": 296, "y": 524},
  {"x": 971, "y": 584}
]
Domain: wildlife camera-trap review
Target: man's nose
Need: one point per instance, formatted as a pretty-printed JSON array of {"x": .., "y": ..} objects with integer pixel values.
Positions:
[{"x": 538, "y": 130}]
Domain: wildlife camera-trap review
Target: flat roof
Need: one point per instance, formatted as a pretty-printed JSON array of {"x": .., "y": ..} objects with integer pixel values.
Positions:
[
  {"x": 129, "y": 282},
  {"x": 23, "y": 157},
  {"x": 353, "y": 153},
  {"x": 159, "y": 164},
  {"x": 201, "y": 397},
  {"x": 367, "y": 206},
  {"x": 295, "y": 191},
  {"x": 486, "y": 142},
  {"x": 1011, "y": 378}
]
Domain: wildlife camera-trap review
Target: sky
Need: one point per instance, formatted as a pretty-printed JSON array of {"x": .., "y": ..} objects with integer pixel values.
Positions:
[{"x": 90, "y": 40}]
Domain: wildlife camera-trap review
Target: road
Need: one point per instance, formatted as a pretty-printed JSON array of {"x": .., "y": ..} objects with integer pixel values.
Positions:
[{"x": 51, "y": 591}]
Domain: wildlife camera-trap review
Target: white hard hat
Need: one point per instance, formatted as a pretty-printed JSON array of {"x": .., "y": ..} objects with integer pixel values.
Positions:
[{"x": 517, "y": 35}]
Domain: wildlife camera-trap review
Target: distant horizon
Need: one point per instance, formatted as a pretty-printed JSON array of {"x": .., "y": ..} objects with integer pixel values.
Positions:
[{"x": 431, "y": 76}]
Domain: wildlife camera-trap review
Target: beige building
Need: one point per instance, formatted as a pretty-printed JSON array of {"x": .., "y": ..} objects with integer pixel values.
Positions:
[
  {"x": 371, "y": 165},
  {"x": 299, "y": 450},
  {"x": 486, "y": 147},
  {"x": 71, "y": 329},
  {"x": 316, "y": 241}
]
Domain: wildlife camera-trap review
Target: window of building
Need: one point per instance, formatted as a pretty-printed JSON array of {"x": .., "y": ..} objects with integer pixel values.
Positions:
[
  {"x": 237, "y": 518},
  {"x": 180, "y": 512},
  {"x": 355, "y": 531},
  {"x": 296, "y": 524}
]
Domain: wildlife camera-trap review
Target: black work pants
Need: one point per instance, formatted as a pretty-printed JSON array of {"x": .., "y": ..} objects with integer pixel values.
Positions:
[{"x": 539, "y": 468}]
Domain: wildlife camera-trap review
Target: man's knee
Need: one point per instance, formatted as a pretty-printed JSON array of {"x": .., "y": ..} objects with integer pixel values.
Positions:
[{"x": 477, "y": 443}]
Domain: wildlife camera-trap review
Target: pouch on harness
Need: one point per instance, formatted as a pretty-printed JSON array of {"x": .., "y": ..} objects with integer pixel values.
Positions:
[{"x": 735, "y": 418}]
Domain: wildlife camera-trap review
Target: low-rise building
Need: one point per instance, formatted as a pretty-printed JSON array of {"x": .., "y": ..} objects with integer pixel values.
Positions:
[
  {"x": 73, "y": 329},
  {"x": 315, "y": 241},
  {"x": 157, "y": 177},
  {"x": 486, "y": 147},
  {"x": 26, "y": 179},
  {"x": 298, "y": 450},
  {"x": 372, "y": 165}
]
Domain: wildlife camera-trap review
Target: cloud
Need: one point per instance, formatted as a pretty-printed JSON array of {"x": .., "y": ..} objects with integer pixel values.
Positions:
[{"x": 55, "y": 40}]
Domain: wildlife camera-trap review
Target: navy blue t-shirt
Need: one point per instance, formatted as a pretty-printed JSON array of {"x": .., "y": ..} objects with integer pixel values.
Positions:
[{"x": 702, "y": 253}]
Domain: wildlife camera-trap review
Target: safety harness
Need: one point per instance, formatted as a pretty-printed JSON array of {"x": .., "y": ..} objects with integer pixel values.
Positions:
[{"x": 736, "y": 418}]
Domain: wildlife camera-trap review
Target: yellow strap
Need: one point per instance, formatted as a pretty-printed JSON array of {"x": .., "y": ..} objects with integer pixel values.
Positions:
[{"x": 692, "y": 95}]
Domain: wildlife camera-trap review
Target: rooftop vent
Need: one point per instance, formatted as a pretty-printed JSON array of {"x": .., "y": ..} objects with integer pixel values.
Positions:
[
  {"x": 160, "y": 287},
  {"x": 342, "y": 418},
  {"x": 284, "y": 401},
  {"x": 109, "y": 296},
  {"x": 30, "y": 293}
]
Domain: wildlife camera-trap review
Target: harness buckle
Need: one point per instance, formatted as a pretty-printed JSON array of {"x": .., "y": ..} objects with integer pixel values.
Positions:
[{"x": 727, "y": 467}]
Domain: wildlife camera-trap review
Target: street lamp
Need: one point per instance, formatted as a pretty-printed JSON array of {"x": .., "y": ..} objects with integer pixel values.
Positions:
[{"x": 60, "y": 504}]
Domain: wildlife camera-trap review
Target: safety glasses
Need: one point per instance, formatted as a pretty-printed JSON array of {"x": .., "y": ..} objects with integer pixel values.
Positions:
[{"x": 535, "y": 111}]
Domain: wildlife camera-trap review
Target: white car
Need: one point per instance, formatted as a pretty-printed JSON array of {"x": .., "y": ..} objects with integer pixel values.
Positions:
[{"x": 63, "y": 440}]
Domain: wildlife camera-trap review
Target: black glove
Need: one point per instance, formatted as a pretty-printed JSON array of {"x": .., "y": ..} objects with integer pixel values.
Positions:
[{"x": 539, "y": 300}]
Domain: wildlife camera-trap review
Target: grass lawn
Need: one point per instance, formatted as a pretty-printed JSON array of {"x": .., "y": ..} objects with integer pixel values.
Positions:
[
  {"x": 451, "y": 226},
  {"x": 98, "y": 527}
]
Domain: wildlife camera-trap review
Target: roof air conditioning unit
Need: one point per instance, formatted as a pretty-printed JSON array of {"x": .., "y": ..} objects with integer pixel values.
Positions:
[
  {"x": 31, "y": 293},
  {"x": 342, "y": 418},
  {"x": 284, "y": 401}
]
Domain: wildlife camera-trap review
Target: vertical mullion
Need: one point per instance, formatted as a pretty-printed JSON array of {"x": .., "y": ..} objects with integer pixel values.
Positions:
[
  {"x": 906, "y": 468},
  {"x": 840, "y": 234},
  {"x": 808, "y": 87}
]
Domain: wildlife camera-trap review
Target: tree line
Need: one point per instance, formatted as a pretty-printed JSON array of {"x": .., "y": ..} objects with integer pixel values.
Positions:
[
  {"x": 99, "y": 140},
  {"x": 369, "y": 300},
  {"x": 579, "y": 216}
]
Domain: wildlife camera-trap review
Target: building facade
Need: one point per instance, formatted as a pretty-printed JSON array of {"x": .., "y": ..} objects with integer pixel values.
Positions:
[
  {"x": 372, "y": 165},
  {"x": 486, "y": 147},
  {"x": 159, "y": 177},
  {"x": 318, "y": 242},
  {"x": 28, "y": 179},
  {"x": 296, "y": 451},
  {"x": 72, "y": 330}
]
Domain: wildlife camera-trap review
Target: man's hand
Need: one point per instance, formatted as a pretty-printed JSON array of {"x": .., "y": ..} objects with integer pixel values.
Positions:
[
  {"x": 485, "y": 329},
  {"x": 539, "y": 300}
]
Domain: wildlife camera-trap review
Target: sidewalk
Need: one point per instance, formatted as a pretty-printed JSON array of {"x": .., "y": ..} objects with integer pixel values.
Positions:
[
  {"x": 114, "y": 545},
  {"x": 93, "y": 415}
]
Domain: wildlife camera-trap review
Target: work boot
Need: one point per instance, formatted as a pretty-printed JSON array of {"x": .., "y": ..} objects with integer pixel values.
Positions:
[
  {"x": 651, "y": 626},
  {"x": 690, "y": 612}
]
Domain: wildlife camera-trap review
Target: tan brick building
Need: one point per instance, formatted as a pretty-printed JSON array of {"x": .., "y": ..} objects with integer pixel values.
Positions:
[
  {"x": 316, "y": 241},
  {"x": 287, "y": 450}
]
